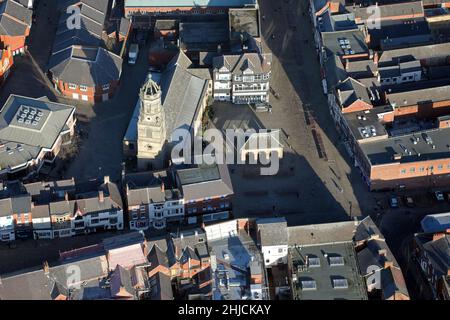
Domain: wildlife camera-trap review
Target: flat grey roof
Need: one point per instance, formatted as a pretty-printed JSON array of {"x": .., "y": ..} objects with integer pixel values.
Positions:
[
  {"x": 383, "y": 151},
  {"x": 353, "y": 40},
  {"x": 327, "y": 272},
  {"x": 244, "y": 21},
  {"x": 366, "y": 125}
]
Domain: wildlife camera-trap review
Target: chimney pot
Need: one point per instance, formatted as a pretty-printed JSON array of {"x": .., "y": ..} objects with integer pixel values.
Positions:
[{"x": 101, "y": 196}]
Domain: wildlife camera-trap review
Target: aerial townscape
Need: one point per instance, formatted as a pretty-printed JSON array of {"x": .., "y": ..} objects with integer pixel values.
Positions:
[{"x": 225, "y": 150}]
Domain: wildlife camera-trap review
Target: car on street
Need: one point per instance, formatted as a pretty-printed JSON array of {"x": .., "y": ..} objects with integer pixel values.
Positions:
[
  {"x": 133, "y": 53},
  {"x": 439, "y": 196},
  {"x": 154, "y": 69},
  {"x": 393, "y": 202},
  {"x": 409, "y": 201},
  {"x": 262, "y": 107}
]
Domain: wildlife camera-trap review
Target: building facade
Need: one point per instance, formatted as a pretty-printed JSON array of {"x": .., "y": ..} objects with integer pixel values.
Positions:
[
  {"x": 150, "y": 127},
  {"x": 242, "y": 78}
]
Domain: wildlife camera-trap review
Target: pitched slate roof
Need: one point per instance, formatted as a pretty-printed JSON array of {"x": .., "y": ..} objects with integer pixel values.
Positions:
[
  {"x": 350, "y": 91},
  {"x": 414, "y": 53},
  {"x": 237, "y": 64},
  {"x": 161, "y": 287},
  {"x": 23, "y": 141},
  {"x": 121, "y": 283},
  {"x": 88, "y": 66},
  {"x": 14, "y": 18},
  {"x": 157, "y": 257},
  {"x": 198, "y": 182},
  {"x": 272, "y": 231},
  {"x": 92, "y": 19},
  {"x": 182, "y": 93}
]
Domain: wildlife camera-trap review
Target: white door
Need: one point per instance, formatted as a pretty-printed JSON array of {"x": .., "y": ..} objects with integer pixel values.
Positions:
[
  {"x": 75, "y": 96},
  {"x": 84, "y": 97}
]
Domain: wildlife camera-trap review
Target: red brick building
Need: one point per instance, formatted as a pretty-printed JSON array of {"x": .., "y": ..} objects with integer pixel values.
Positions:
[
  {"x": 15, "y": 24},
  {"x": 84, "y": 73}
]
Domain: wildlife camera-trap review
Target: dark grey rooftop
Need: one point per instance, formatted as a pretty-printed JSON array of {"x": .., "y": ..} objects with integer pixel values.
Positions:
[
  {"x": 390, "y": 57},
  {"x": 203, "y": 36},
  {"x": 383, "y": 151},
  {"x": 198, "y": 182},
  {"x": 327, "y": 272},
  {"x": 272, "y": 231},
  {"x": 89, "y": 66},
  {"x": 419, "y": 96},
  {"x": 27, "y": 125},
  {"x": 14, "y": 18},
  {"x": 365, "y": 125},
  {"x": 346, "y": 42}
]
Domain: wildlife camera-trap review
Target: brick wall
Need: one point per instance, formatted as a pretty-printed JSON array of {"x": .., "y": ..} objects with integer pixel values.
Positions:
[
  {"x": 93, "y": 94},
  {"x": 392, "y": 176}
]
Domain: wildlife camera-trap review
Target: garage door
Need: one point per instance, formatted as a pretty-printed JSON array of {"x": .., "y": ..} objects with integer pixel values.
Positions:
[
  {"x": 84, "y": 97},
  {"x": 105, "y": 97},
  {"x": 75, "y": 96}
]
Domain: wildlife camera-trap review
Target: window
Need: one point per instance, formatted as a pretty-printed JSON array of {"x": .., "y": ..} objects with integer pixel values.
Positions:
[
  {"x": 336, "y": 261},
  {"x": 105, "y": 87},
  {"x": 112, "y": 220},
  {"x": 430, "y": 168},
  {"x": 313, "y": 261},
  {"x": 72, "y": 86},
  {"x": 421, "y": 169},
  {"x": 83, "y": 88},
  {"x": 238, "y": 78},
  {"x": 340, "y": 283},
  {"x": 412, "y": 170},
  {"x": 403, "y": 171},
  {"x": 440, "y": 167},
  {"x": 280, "y": 250},
  {"x": 309, "y": 285}
]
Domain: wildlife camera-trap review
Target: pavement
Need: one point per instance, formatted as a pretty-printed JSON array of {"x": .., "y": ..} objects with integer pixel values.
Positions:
[{"x": 329, "y": 188}]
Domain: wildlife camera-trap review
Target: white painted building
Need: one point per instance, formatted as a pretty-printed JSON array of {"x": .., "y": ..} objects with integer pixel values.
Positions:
[
  {"x": 242, "y": 78},
  {"x": 6, "y": 221},
  {"x": 273, "y": 241}
]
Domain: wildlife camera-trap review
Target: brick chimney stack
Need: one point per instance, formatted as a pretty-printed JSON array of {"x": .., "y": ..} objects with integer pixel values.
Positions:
[{"x": 101, "y": 196}]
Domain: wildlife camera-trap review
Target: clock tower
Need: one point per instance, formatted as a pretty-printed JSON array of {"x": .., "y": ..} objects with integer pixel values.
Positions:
[{"x": 150, "y": 128}]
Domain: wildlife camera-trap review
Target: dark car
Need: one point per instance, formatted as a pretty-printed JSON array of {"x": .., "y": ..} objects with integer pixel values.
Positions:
[{"x": 393, "y": 202}]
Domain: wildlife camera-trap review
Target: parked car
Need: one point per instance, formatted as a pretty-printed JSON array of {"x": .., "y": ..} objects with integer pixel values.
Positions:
[
  {"x": 133, "y": 54},
  {"x": 409, "y": 202},
  {"x": 154, "y": 69},
  {"x": 393, "y": 202},
  {"x": 439, "y": 196},
  {"x": 263, "y": 107}
]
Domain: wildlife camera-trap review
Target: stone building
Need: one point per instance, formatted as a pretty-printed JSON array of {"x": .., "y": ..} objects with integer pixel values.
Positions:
[{"x": 151, "y": 127}]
